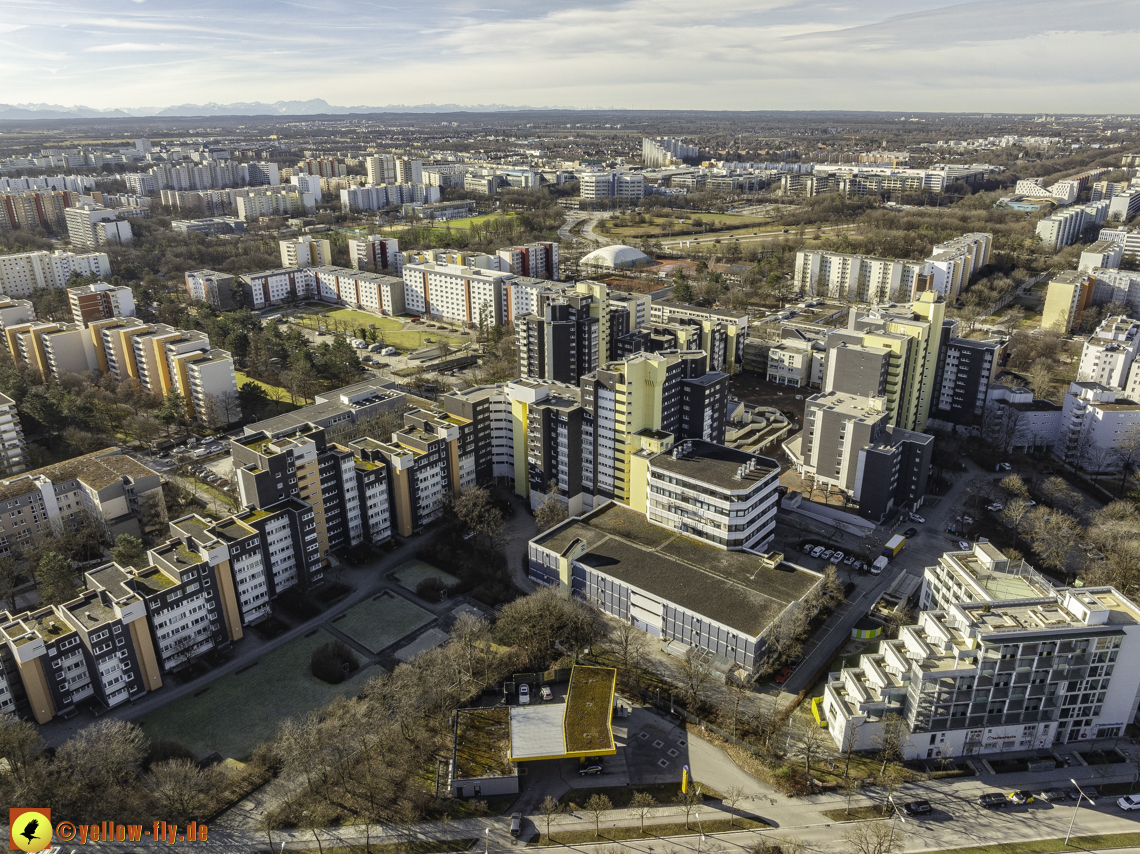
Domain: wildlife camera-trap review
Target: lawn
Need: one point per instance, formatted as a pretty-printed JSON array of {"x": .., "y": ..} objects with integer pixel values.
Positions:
[
  {"x": 419, "y": 846},
  {"x": 858, "y": 813},
  {"x": 278, "y": 407},
  {"x": 363, "y": 318},
  {"x": 465, "y": 222},
  {"x": 381, "y": 621},
  {"x": 235, "y": 713},
  {"x": 1048, "y": 846},
  {"x": 410, "y": 574}
]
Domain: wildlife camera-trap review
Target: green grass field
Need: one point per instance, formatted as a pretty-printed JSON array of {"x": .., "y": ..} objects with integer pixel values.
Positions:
[
  {"x": 466, "y": 221},
  {"x": 381, "y": 621},
  {"x": 237, "y": 712},
  {"x": 363, "y": 318},
  {"x": 284, "y": 405},
  {"x": 414, "y": 571}
]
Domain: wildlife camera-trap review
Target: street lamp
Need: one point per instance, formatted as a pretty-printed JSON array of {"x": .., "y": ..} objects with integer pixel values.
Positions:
[
  {"x": 700, "y": 838},
  {"x": 1080, "y": 794},
  {"x": 487, "y": 831},
  {"x": 894, "y": 812}
]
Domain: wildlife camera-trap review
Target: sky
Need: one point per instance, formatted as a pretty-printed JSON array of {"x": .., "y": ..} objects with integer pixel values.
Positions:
[{"x": 909, "y": 55}]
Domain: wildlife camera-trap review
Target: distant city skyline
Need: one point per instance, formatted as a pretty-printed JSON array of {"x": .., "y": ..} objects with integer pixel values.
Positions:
[{"x": 917, "y": 55}]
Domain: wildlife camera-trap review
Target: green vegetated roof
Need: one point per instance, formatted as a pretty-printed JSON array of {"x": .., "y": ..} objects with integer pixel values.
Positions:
[
  {"x": 482, "y": 742},
  {"x": 589, "y": 707}
]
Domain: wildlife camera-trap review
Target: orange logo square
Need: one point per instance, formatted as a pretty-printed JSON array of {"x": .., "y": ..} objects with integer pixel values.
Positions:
[{"x": 14, "y": 814}]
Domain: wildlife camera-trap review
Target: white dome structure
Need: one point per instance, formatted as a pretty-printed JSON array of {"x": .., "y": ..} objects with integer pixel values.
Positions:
[{"x": 615, "y": 257}]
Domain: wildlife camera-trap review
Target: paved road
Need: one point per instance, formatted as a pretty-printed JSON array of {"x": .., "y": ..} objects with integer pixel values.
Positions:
[
  {"x": 591, "y": 221},
  {"x": 957, "y": 819},
  {"x": 919, "y": 552}
]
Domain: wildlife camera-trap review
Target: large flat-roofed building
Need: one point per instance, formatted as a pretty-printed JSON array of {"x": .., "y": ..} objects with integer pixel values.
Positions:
[
  {"x": 376, "y": 254},
  {"x": 981, "y": 573},
  {"x": 720, "y": 495},
  {"x": 335, "y": 411},
  {"x": 215, "y": 288},
  {"x": 674, "y": 587},
  {"x": 722, "y": 331}
]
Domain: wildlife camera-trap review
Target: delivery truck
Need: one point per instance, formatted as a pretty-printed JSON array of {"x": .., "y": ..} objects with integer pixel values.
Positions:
[{"x": 894, "y": 546}]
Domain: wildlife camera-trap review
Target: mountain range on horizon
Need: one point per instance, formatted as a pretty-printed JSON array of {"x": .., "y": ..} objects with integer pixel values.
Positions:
[{"x": 312, "y": 107}]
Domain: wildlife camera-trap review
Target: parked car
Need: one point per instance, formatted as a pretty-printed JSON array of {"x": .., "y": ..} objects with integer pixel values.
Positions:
[
  {"x": 784, "y": 675},
  {"x": 917, "y": 808},
  {"x": 593, "y": 767},
  {"x": 1021, "y": 796},
  {"x": 849, "y": 560},
  {"x": 1005, "y": 467},
  {"x": 817, "y": 551},
  {"x": 1090, "y": 792},
  {"x": 1051, "y": 795},
  {"x": 859, "y": 565},
  {"x": 995, "y": 507},
  {"x": 968, "y": 520},
  {"x": 914, "y": 517},
  {"x": 910, "y": 532},
  {"x": 1129, "y": 802},
  {"x": 545, "y": 693},
  {"x": 838, "y": 557},
  {"x": 963, "y": 545},
  {"x": 808, "y": 547},
  {"x": 827, "y": 554},
  {"x": 516, "y": 824},
  {"x": 524, "y": 694},
  {"x": 992, "y": 800}
]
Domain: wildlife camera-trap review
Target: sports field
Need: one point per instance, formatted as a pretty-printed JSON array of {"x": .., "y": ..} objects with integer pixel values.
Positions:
[{"x": 381, "y": 621}]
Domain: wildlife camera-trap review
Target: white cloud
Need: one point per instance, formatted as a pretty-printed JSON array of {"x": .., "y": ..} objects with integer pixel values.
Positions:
[
  {"x": 132, "y": 47},
  {"x": 1021, "y": 55}
]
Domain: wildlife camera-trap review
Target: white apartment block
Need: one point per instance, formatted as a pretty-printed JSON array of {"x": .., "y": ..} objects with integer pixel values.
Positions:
[
  {"x": 305, "y": 251},
  {"x": 859, "y": 278},
  {"x": 16, "y": 312},
  {"x": 1116, "y": 286},
  {"x": 277, "y": 203},
  {"x": 593, "y": 186},
  {"x": 535, "y": 260},
  {"x": 1124, "y": 206},
  {"x": 206, "y": 380},
  {"x": 307, "y": 184},
  {"x": 100, "y": 301},
  {"x": 455, "y": 292},
  {"x": 376, "y": 254},
  {"x": 12, "y": 447},
  {"x": 375, "y": 292},
  {"x": 22, "y": 273},
  {"x": 1013, "y": 664},
  {"x": 377, "y": 197},
  {"x": 92, "y": 225},
  {"x": 380, "y": 169},
  {"x": 1102, "y": 255},
  {"x": 1065, "y": 227},
  {"x": 664, "y": 151},
  {"x": 1109, "y": 353},
  {"x": 1096, "y": 423},
  {"x": 1128, "y": 238},
  {"x": 790, "y": 363}
]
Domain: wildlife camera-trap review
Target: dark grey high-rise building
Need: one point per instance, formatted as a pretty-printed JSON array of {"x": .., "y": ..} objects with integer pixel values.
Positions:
[
  {"x": 559, "y": 342},
  {"x": 965, "y": 373}
]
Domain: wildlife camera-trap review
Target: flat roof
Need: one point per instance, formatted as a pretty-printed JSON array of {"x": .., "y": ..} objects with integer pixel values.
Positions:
[
  {"x": 717, "y": 465},
  {"x": 482, "y": 743},
  {"x": 731, "y": 587},
  {"x": 537, "y": 731}
]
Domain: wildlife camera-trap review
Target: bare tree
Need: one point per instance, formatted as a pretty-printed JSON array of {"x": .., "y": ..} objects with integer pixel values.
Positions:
[
  {"x": 1127, "y": 452},
  {"x": 689, "y": 801},
  {"x": 808, "y": 736},
  {"x": 891, "y": 739},
  {"x": 872, "y": 837},
  {"x": 180, "y": 787},
  {"x": 643, "y": 806},
  {"x": 850, "y": 742},
  {"x": 851, "y": 787},
  {"x": 549, "y": 808},
  {"x": 733, "y": 795},
  {"x": 696, "y": 672},
  {"x": 597, "y": 805}
]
